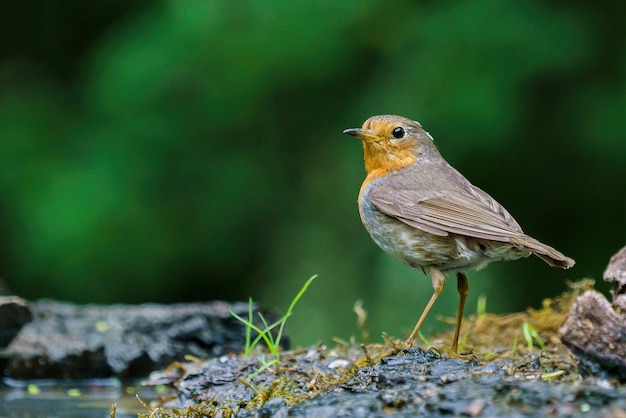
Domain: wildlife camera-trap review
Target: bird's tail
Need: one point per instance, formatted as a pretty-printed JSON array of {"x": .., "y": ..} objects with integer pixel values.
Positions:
[{"x": 548, "y": 254}]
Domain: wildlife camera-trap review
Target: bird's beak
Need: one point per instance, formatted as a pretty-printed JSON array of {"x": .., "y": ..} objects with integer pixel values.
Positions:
[
  {"x": 362, "y": 134},
  {"x": 353, "y": 131}
]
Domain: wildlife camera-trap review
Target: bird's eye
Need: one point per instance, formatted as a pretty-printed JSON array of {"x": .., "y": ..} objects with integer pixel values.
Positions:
[{"x": 398, "y": 132}]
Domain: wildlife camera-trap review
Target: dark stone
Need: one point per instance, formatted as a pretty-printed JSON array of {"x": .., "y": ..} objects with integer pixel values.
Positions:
[
  {"x": 14, "y": 314},
  {"x": 596, "y": 335},
  {"x": 413, "y": 384},
  {"x": 68, "y": 341},
  {"x": 595, "y": 331}
]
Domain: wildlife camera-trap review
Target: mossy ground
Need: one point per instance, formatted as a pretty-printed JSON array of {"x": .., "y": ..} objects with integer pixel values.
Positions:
[{"x": 306, "y": 373}]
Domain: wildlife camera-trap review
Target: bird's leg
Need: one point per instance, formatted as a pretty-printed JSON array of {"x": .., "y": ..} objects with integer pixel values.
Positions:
[
  {"x": 439, "y": 281},
  {"x": 463, "y": 289}
]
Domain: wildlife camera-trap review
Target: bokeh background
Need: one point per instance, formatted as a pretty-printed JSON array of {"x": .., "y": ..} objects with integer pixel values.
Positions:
[{"x": 171, "y": 151}]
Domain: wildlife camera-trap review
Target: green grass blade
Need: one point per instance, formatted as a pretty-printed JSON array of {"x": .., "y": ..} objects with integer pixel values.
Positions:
[
  {"x": 271, "y": 344},
  {"x": 423, "y": 338},
  {"x": 527, "y": 336},
  {"x": 293, "y": 304},
  {"x": 262, "y": 333},
  {"x": 249, "y": 347},
  {"x": 537, "y": 337},
  {"x": 481, "y": 306}
]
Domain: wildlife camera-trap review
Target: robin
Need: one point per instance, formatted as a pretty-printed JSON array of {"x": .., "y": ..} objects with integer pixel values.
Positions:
[{"x": 418, "y": 208}]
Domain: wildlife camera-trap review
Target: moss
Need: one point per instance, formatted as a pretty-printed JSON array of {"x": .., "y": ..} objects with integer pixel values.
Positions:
[{"x": 305, "y": 374}]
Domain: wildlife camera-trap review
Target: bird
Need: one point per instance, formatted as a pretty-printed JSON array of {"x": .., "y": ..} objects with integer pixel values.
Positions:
[{"x": 422, "y": 211}]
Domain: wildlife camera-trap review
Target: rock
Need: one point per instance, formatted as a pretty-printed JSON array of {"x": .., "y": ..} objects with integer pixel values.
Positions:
[
  {"x": 68, "y": 341},
  {"x": 414, "y": 383},
  {"x": 595, "y": 331},
  {"x": 616, "y": 272},
  {"x": 14, "y": 313},
  {"x": 596, "y": 335}
]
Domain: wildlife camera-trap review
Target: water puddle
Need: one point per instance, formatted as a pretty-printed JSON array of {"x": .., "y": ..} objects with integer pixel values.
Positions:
[{"x": 68, "y": 399}]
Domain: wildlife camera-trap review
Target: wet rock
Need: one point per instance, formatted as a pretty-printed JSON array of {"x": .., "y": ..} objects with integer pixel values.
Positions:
[
  {"x": 413, "y": 383},
  {"x": 596, "y": 335},
  {"x": 595, "y": 331},
  {"x": 14, "y": 314},
  {"x": 388, "y": 380},
  {"x": 68, "y": 341},
  {"x": 416, "y": 384},
  {"x": 233, "y": 380}
]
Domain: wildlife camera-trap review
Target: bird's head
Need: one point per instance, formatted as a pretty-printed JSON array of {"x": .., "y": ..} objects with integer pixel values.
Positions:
[{"x": 391, "y": 142}]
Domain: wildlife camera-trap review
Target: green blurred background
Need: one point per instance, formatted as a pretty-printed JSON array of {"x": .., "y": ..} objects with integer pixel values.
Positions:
[{"x": 176, "y": 150}]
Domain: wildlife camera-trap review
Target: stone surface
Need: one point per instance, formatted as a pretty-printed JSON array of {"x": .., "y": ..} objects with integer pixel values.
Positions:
[
  {"x": 595, "y": 331},
  {"x": 616, "y": 273},
  {"x": 66, "y": 341},
  {"x": 596, "y": 335},
  {"x": 14, "y": 314},
  {"x": 412, "y": 383}
]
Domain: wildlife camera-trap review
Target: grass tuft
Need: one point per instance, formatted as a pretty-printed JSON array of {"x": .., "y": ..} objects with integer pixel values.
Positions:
[{"x": 265, "y": 332}]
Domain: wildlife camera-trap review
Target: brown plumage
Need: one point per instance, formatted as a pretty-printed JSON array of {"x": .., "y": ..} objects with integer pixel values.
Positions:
[{"x": 421, "y": 210}]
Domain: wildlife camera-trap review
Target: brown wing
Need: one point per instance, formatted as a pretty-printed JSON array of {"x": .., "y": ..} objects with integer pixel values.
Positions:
[{"x": 473, "y": 214}]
